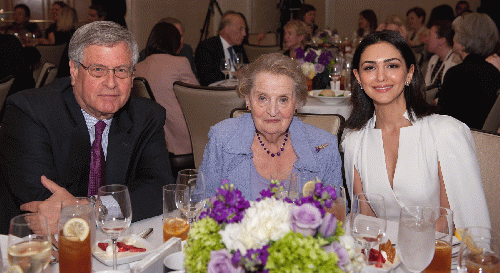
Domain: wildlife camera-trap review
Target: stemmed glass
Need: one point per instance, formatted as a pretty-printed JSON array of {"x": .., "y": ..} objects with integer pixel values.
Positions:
[
  {"x": 416, "y": 237},
  {"x": 191, "y": 200},
  {"x": 113, "y": 212},
  {"x": 29, "y": 243},
  {"x": 368, "y": 221},
  {"x": 238, "y": 61},
  {"x": 335, "y": 76},
  {"x": 225, "y": 67}
]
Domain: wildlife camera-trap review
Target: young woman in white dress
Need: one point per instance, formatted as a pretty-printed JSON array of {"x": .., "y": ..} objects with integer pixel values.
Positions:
[{"x": 397, "y": 147}]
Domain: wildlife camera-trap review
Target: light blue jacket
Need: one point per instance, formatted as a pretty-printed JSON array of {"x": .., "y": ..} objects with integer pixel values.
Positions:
[{"x": 228, "y": 155}]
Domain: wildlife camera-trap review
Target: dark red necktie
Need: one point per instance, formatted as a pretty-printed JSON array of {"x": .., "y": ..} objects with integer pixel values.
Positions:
[{"x": 97, "y": 160}]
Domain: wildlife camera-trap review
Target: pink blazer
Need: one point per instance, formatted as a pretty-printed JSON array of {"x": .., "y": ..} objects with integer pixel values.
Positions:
[{"x": 161, "y": 71}]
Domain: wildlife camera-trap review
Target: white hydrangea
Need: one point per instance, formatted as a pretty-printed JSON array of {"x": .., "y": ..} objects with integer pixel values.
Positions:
[
  {"x": 266, "y": 220},
  {"x": 355, "y": 255},
  {"x": 309, "y": 70}
]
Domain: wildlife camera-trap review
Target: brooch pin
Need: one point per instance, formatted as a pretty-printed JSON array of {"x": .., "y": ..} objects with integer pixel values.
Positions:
[{"x": 318, "y": 148}]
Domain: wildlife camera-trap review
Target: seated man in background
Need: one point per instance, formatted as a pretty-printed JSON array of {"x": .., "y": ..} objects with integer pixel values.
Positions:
[
  {"x": 185, "y": 50},
  {"x": 209, "y": 53},
  {"x": 97, "y": 13},
  {"x": 440, "y": 43},
  {"x": 21, "y": 24},
  {"x": 79, "y": 133}
]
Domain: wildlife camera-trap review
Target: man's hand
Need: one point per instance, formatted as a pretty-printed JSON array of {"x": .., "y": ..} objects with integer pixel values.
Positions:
[{"x": 51, "y": 207}]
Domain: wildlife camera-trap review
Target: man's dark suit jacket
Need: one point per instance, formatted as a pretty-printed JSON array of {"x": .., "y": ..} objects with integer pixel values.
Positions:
[
  {"x": 44, "y": 133},
  {"x": 208, "y": 56}
]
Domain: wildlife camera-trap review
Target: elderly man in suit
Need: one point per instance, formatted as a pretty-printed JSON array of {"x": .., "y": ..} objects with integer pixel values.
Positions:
[
  {"x": 209, "y": 53},
  {"x": 78, "y": 133}
]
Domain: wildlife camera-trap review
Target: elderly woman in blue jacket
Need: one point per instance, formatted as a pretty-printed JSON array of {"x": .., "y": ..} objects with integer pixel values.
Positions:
[{"x": 270, "y": 143}]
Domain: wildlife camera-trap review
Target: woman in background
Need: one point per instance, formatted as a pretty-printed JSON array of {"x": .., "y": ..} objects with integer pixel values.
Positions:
[
  {"x": 398, "y": 148},
  {"x": 394, "y": 23},
  {"x": 296, "y": 35},
  {"x": 66, "y": 25},
  {"x": 307, "y": 14},
  {"x": 367, "y": 23},
  {"x": 161, "y": 68},
  {"x": 417, "y": 29}
]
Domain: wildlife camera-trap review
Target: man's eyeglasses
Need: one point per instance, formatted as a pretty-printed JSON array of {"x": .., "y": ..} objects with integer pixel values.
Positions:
[{"x": 98, "y": 71}]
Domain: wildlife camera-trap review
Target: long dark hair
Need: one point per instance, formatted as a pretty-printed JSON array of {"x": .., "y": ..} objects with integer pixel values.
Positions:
[
  {"x": 164, "y": 39},
  {"x": 363, "y": 107},
  {"x": 371, "y": 17}
]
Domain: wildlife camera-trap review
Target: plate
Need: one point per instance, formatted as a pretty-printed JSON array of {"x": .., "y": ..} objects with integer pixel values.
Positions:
[
  {"x": 124, "y": 257},
  {"x": 331, "y": 100},
  {"x": 175, "y": 261}
]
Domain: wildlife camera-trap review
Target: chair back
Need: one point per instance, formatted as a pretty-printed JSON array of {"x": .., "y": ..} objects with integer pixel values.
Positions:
[
  {"x": 47, "y": 74},
  {"x": 270, "y": 39},
  {"x": 48, "y": 53},
  {"x": 5, "y": 85},
  {"x": 141, "y": 88},
  {"x": 254, "y": 51},
  {"x": 488, "y": 155},
  {"x": 332, "y": 123},
  {"x": 492, "y": 122},
  {"x": 204, "y": 107}
]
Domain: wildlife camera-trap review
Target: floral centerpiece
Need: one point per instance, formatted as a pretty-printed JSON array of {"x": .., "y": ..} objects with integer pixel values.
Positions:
[
  {"x": 314, "y": 61},
  {"x": 270, "y": 234},
  {"x": 326, "y": 38}
]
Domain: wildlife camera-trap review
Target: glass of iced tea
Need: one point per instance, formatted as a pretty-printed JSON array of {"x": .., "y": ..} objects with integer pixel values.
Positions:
[
  {"x": 76, "y": 235},
  {"x": 339, "y": 206},
  {"x": 444, "y": 234},
  {"x": 175, "y": 223},
  {"x": 29, "y": 243},
  {"x": 479, "y": 251}
]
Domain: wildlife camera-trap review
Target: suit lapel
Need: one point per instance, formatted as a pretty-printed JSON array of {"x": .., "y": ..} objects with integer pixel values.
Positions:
[{"x": 120, "y": 147}]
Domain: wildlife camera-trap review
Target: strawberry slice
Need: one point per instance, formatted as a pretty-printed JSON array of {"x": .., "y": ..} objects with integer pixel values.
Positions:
[
  {"x": 137, "y": 249},
  {"x": 103, "y": 246},
  {"x": 123, "y": 245}
]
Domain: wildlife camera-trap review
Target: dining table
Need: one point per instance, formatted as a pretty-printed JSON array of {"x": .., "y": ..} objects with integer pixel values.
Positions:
[{"x": 315, "y": 106}]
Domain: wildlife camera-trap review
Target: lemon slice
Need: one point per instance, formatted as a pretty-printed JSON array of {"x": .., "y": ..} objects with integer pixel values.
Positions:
[
  {"x": 76, "y": 227},
  {"x": 464, "y": 236},
  {"x": 14, "y": 269},
  {"x": 308, "y": 188}
]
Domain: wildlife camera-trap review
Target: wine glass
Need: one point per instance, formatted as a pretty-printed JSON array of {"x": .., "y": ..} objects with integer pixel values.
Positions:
[
  {"x": 479, "y": 250},
  {"x": 335, "y": 76},
  {"x": 191, "y": 200},
  {"x": 368, "y": 221},
  {"x": 238, "y": 61},
  {"x": 416, "y": 237},
  {"x": 114, "y": 212},
  {"x": 225, "y": 67},
  {"x": 29, "y": 243}
]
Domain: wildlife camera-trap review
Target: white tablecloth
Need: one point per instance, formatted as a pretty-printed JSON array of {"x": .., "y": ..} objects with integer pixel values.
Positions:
[{"x": 315, "y": 106}]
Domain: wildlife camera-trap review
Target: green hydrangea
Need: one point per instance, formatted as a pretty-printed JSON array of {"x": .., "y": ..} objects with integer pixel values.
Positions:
[
  {"x": 203, "y": 238},
  {"x": 296, "y": 253}
]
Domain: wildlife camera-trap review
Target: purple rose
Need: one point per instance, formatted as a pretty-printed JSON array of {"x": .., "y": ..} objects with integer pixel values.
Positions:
[
  {"x": 220, "y": 262},
  {"x": 319, "y": 68},
  {"x": 328, "y": 226},
  {"x": 341, "y": 253},
  {"x": 306, "y": 218}
]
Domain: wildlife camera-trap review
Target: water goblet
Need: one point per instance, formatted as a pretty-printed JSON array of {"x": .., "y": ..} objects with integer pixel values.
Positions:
[
  {"x": 191, "y": 200},
  {"x": 113, "y": 212},
  {"x": 29, "y": 246},
  {"x": 368, "y": 221},
  {"x": 225, "y": 67},
  {"x": 416, "y": 237},
  {"x": 238, "y": 61},
  {"x": 335, "y": 77}
]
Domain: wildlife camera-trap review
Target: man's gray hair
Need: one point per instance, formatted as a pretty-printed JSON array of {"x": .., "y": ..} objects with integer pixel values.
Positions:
[{"x": 101, "y": 33}]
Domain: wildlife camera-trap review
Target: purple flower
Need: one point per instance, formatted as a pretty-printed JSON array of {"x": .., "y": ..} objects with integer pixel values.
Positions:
[
  {"x": 310, "y": 57},
  {"x": 341, "y": 253},
  {"x": 329, "y": 225},
  {"x": 299, "y": 53},
  {"x": 319, "y": 68},
  {"x": 325, "y": 58},
  {"x": 305, "y": 219},
  {"x": 220, "y": 262}
]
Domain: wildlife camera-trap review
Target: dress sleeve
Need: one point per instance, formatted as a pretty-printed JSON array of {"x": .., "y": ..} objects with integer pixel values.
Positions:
[{"x": 461, "y": 175}]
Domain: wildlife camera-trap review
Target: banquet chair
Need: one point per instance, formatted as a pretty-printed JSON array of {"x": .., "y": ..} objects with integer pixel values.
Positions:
[
  {"x": 48, "y": 53},
  {"x": 332, "y": 123},
  {"x": 5, "y": 85},
  {"x": 270, "y": 39},
  {"x": 488, "y": 155},
  {"x": 254, "y": 51},
  {"x": 492, "y": 122},
  {"x": 141, "y": 88},
  {"x": 203, "y": 107},
  {"x": 47, "y": 74}
]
